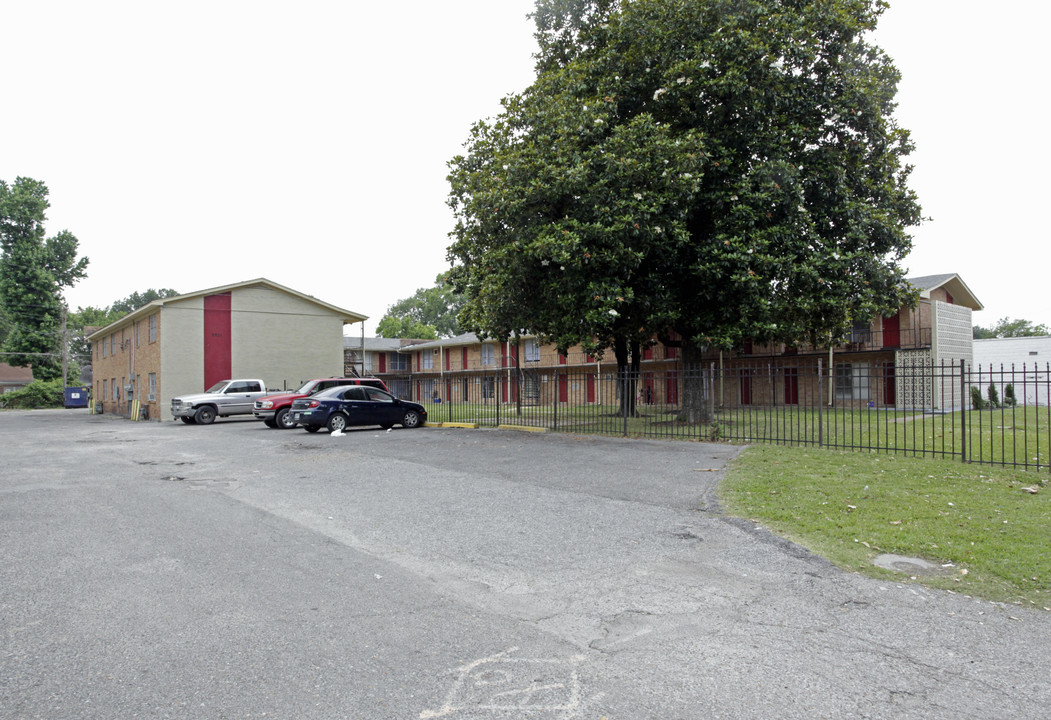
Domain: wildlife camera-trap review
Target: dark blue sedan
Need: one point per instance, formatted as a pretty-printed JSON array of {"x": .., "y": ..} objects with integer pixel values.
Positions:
[{"x": 346, "y": 406}]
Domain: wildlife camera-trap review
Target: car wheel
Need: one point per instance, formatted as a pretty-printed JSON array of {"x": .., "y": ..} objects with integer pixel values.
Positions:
[
  {"x": 269, "y": 422},
  {"x": 284, "y": 420},
  {"x": 311, "y": 428},
  {"x": 411, "y": 419},
  {"x": 205, "y": 415},
  {"x": 187, "y": 420},
  {"x": 337, "y": 422}
]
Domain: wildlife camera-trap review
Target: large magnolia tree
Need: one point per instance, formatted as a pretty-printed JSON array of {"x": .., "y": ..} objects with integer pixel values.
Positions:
[
  {"x": 698, "y": 171},
  {"x": 33, "y": 272}
]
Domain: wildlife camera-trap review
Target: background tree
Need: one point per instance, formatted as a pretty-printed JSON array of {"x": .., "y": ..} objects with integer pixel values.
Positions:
[
  {"x": 33, "y": 272},
  {"x": 402, "y": 327},
  {"x": 136, "y": 300},
  {"x": 430, "y": 313},
  {"x": 1006, "y": 327},
  {"x": 701, "y": 172},
  {"x": 92, "y": 317}
]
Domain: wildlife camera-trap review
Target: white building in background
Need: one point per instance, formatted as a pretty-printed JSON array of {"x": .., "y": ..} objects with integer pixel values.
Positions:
[{"x": 1023, "y": 362}]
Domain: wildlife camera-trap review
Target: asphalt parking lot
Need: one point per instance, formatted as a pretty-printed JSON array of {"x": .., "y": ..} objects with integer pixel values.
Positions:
[{"x": 162, "y": 570}]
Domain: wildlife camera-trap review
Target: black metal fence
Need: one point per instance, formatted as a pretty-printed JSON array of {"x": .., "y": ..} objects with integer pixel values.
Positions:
[{"x": 998, "y": 415}]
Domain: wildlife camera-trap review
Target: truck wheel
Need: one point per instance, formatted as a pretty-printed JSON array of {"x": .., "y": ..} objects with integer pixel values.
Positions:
[
  {"x": 205, "y": 415},
  {"x": 187, "y": 420},
  {"x": 337, "y": 422},
  {"x": 411, "y": 419},
  {"x": 269, "y": 422},
  {"x": 283, "y": 419}
]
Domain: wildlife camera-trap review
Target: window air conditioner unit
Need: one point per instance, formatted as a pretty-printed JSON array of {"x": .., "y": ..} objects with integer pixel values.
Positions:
[{"x": 151, "y": 397}]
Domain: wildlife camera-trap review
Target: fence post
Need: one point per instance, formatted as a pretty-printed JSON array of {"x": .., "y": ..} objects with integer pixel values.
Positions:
[
  {"x": 625, "y": 399},
  {"x": 554, "y": 419},
  {"x": 711, "y": 392},
  {"x": 963, "y": 410},
  {"x": 820, "y": 407}
]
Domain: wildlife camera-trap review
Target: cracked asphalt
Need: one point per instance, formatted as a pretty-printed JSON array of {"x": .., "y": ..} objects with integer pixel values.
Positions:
[{"x": 160, "y": 570}]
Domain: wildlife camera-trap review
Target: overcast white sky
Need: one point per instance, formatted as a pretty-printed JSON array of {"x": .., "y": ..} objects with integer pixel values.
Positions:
[{"x": 195, "y": 144}]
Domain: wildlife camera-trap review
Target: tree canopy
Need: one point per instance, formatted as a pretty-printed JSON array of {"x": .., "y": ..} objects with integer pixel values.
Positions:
[
  {"x": 33, "y": 271},
  {"x": 97, "y": 317},
  {"x": 702, "y": 171},
  {"x": 429, "y": 313},
  {"x": 1005, "y": 327}
]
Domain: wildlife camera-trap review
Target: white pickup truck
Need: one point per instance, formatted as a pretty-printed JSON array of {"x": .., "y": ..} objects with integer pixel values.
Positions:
[{"x": 225, "y": 398}]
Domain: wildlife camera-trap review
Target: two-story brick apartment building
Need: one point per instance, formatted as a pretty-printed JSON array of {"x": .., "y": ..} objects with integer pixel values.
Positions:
[
  {"x": 184, "y": 344},
  {"x": 875, "y": 366}
]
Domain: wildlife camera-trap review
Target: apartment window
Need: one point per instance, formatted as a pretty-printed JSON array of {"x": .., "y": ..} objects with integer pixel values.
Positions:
[
  {"x": 113, "y": 344},
  {"x": 428, "y": 390},
  {"x": 427, "y": 359},
  {"x": 532, "y": 351},
  {"x": 860, "y": 332},
  {"x": 488, "y": 354},
  {"x": 852, "y": 381},
  {"x": 153, "y": 328},
  {"x": 105, "y": 389},
  {"x": 103, "y": 344},
  {"x": 153, "y": 387},
  {"x": 113, "y": 389},
  {"x": 137, "y": 325},
  {"x": 399, "y": 362}
]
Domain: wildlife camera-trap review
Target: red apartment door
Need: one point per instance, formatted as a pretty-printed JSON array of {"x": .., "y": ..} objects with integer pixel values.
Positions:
[
  {"x": 890, "y": 394},
  {"x": 563, "y": 388},
  {"x": 791, "y": 386},
  {"x": 591, "y": 387},
  {"x": 746, "y": 386},
  {"x": 891, "y": 332}
]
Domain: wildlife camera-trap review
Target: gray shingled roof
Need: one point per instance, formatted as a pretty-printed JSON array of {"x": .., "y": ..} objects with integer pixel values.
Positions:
[{"x": 930, "y": 282}]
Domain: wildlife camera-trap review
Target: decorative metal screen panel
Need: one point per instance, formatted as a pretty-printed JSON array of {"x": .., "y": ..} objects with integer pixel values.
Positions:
[{"x": 913, "y": 378}]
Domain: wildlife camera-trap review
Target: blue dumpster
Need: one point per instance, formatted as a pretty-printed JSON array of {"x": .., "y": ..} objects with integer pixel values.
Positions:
[{"x": 77, "y": 397}]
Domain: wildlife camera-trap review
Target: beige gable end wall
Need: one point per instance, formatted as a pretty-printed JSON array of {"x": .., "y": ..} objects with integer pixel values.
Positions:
[
  {"x": 265, "y": 322},
  {"x": 182, "y": 351}
]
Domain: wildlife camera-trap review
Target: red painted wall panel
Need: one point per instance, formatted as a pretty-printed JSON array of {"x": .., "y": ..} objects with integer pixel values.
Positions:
[{"x": 217, "y": 354}]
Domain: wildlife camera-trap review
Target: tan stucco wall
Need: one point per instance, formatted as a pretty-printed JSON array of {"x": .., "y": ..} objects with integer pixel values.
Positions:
[
  {"x": 182, "y": 351},
  {"x": 283, "y": 339},
  {"x": 280, "y": 338}
]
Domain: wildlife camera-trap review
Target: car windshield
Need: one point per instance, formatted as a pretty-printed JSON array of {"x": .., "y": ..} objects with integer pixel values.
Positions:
[
  {"x": 308, "y": 388},
  {"x": 217, "y": 387}
]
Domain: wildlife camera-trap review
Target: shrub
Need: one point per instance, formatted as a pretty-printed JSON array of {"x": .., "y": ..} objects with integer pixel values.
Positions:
[
  {"x": 977, "y": 401},
  {"x": 994, "y": 396},
  {"x": 1009, "y": 396},
  {"x": 37, "y": 394}
]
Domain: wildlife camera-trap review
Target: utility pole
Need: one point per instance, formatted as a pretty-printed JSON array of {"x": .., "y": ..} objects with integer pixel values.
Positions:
[{"x": 65, "y": 345}]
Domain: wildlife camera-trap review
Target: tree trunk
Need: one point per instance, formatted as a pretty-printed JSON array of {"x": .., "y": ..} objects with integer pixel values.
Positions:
[
  {"x": 696, "y": 387},
  {"x": 627, "y": 375}
]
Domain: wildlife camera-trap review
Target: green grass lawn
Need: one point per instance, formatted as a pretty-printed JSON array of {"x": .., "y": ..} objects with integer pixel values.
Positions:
[
  {"x": 992, "y": 534},
  {"x": 1014, "y": 436}
]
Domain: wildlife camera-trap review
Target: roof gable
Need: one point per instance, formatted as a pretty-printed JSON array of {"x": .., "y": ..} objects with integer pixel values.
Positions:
[
  {"x": 147, "y": 309},
  {"x": 13, "y": 374},
  {"x": 961, "y": 294}
]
